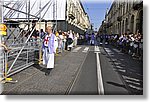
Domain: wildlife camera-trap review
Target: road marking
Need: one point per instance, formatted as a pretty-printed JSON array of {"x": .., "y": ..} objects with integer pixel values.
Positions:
[
  {"x": 116, "y": 50},
  {"x": 135, "y": 87},
  {"x": 77, "y": 49},
  {"x": 133, "y": 79},
  {"x": 99, "y": 73},
  {"x": 132, "y": 82},
  {"x": 86, "y": 50},
  {"x": 96, "y": 49}
]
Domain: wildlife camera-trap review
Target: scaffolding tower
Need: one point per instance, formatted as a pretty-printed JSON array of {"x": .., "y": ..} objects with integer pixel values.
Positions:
[{"x": 20, "y": 40}]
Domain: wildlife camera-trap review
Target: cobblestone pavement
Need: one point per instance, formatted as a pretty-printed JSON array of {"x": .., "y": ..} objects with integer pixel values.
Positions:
[
  {"x": 76, "y": 72},
  {"x": 33, "y": 80}
]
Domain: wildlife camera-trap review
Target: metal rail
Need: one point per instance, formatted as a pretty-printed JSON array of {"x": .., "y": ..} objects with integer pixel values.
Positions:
[{"x": 21, "y": 55}]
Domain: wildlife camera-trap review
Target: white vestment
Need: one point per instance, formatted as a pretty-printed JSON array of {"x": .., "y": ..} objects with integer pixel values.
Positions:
[
  {"x": 45, "y": 56},
  {"x": 45, "y": 50},
  {"x": 51, "y": 61},
  {"x": 71, "y": 36},
  {"x": 71, "y": 45}
]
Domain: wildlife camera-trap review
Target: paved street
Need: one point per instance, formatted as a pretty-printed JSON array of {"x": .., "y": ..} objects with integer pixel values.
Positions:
[
  {"x": 85, "y": 70},
  {"x": 98, "y": 47}
]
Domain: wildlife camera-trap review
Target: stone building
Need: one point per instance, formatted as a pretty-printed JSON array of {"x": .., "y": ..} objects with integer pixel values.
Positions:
[
  {"x": 64, "y": 15},
  {"x": 124, "y": 16},
  {"x": 76, "y": 18}
]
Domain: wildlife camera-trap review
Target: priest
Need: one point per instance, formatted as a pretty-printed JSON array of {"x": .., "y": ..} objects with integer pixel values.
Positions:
[{"x": 50, "y": 46}]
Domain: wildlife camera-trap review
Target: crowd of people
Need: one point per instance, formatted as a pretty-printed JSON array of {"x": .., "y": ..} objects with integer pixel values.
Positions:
[
  {"x": 52, "y": 43},
  {"x": 128, "y": 43},
  {"x": 55, "y": 43},
  {"x": 90, "y": 39},
  {"x": 66, "y": 40}
]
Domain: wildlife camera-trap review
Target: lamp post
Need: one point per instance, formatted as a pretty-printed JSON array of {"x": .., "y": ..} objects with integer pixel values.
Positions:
[{"x": 105, "y": 32}]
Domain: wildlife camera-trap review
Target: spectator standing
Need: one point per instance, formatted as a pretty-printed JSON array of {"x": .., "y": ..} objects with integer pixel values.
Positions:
[
  {"x": 92, "y": 41},
  {"x": 70, "y": 40}
]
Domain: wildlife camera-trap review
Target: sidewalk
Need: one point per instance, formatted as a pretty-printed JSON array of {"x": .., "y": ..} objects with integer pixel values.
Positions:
[{"x": 33, "y": 80}]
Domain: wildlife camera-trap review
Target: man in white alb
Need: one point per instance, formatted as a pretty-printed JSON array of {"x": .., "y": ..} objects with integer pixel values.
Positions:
[{"x": 49, "y": 47}]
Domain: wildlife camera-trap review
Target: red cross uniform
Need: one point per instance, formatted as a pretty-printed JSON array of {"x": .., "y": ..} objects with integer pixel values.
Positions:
[
  {"x": 46, "y": 40},
  {"x": 45, "y": 50}
]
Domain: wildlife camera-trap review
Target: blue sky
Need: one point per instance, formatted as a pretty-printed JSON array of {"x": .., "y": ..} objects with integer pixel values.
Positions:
[{"x": 96, "y": 11}]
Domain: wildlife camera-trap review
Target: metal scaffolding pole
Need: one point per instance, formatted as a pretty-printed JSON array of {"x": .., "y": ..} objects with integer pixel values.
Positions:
[
  {"x": 27, "y": 41},
  {"x": 28, "y": 15},
  {"x": 10, "y": 9},
  {"x": 55, "y": 15},
  {"x": 25, "y": 47},
  {"x": 20, "y": 11},
  {"x": 38, "y": 13},
  {"x": 40, "y": 46},
  {"x": 19, "y": 5},
  {"x": 2, "y": 2}
]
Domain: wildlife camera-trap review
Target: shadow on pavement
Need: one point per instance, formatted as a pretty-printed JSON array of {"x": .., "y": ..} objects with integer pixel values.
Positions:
[
  {"x": 41, "y": 68},
  {"x": 131, "y": 70},
  {"x": 116, "y": 84}
]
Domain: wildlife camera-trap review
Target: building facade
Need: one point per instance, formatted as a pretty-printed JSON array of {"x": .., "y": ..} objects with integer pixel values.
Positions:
[
  {"x": 123, "y": 17},
  {"x": 76, "y": 18},
  {"x": 64, "y": 15},
  {"x": 76, "y": 15}
]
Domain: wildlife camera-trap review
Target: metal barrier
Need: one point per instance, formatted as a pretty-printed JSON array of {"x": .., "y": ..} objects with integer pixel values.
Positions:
[
  {"x": 22, "y": 54},
  {"x": 12, "y": 65}
]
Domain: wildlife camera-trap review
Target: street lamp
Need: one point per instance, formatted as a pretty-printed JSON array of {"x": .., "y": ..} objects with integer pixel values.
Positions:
[
  {"x": 105, "y": 26},
  {"x": 104, "y": 35}
]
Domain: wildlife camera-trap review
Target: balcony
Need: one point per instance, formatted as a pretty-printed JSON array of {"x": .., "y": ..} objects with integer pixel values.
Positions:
[
  {"x": 84, "y": 26},
  {"x": 71, "y": 16},
  {"x": 119, "y": 18},
  {"x": 108, "y": 25},
  {"x": 138, "y": 5}
]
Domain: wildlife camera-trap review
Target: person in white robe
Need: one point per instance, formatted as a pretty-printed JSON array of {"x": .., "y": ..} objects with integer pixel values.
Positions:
[
  {"x": 45, "y": 49},
  {"x": 50, "y": 50},
  {"x": 70, "y": 40}
]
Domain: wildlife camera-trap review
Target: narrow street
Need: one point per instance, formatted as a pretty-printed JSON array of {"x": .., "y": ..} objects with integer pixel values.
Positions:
[
  {"x": 71, "y": 47},
  {"x": 85, "y": 70}
]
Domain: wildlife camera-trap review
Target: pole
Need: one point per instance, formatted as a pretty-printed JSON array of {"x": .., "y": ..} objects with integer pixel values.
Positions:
[
  {"x": 1, "y": 64},
  {"x": 26, "y": 41},
  {"x": 2, "y": 2},
  {"x": 40, "y": 46},
  {"x": 28, "y": 15},
  {"x": 1, "y": 22},
  {"x": 53, "y": 16},
  {"x": 28, "y": 25},
  {"x": 56, "y": 15},
  {"x": 5, "y": 54}
]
